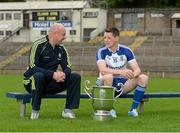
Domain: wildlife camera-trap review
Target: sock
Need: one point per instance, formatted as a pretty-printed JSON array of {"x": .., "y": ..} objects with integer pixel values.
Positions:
[
  {"x": 35, "y": 111},
  {"x": 138, "y": 95},
  {"x": 67, "y": 110}
]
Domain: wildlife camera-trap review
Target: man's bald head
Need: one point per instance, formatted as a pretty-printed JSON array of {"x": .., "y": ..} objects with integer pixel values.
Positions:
[
  {"x": 57, "y": 34},
  {"x": 57, "y": 28}
]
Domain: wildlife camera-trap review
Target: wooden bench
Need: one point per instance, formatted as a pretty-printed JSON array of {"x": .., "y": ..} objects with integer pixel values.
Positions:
[{"x": 24, "y": 98}]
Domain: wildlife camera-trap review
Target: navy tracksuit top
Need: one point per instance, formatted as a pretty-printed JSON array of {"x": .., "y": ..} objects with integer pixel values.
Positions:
[{"x": 44, "y": 58}]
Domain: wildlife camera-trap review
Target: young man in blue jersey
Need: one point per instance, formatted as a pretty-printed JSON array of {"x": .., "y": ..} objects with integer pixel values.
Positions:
[
  {"x": 117, "y": 64},
  {"x": 43, "y": 76}
]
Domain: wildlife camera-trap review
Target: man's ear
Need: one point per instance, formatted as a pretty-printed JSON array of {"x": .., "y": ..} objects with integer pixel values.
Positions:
[{"x": 117, "y": 38}]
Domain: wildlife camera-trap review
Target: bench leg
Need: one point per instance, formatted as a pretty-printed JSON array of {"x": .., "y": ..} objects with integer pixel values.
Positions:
[
  {"x": 22, "y": 108},
  {"x": 141, "y": 105}
]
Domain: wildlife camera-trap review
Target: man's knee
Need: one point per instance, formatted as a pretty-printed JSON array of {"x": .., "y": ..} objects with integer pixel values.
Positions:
[
  {"x": 39, "y": 76},
  {"x": 28, "y": 88},
  {"x": 143, "y": 80},
  {"x": 107, "y": 79},
  {"x": 38, "y": 82},
  {"x": 74, "y": 82},
  {"x": 75, "y": 77}
]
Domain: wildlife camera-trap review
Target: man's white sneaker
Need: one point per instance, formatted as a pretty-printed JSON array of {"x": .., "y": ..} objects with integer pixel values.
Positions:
[
  {"x": 113, "y": 113},
  {"x": 133, "y": 113},
  {"x": 67, "y": 113},
  {"x": 34, "y": 115}
]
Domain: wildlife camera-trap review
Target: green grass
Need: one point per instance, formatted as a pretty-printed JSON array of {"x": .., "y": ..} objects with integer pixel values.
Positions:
[{"x": 160, "y": 115}]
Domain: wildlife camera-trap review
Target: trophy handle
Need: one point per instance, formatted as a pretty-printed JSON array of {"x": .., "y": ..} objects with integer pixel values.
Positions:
[
  {"x": 119, "y": 90},
  {"x": 86, "y": 88}
]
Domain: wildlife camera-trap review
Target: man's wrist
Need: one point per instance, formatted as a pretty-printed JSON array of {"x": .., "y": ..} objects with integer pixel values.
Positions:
[{"x": 120, "y": 72}]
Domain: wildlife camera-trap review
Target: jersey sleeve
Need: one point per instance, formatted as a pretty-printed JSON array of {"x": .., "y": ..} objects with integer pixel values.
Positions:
[
  {"x": 100, "y": 55},
  {"x": 129, "y": 54},
  {"x": 66, "y": 63}
]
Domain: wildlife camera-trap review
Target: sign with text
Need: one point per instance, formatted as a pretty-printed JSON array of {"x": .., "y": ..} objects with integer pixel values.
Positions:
[
  {"x": 47, "y": 24},
  {"x": 45, "y": 16}
]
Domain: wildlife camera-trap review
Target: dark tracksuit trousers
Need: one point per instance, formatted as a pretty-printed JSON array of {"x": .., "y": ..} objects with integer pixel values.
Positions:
[{"x": 50, "y": 86}]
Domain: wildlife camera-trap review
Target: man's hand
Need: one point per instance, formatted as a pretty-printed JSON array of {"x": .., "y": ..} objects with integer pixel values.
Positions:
[
  {"x": 127, "y": 73},
  {"x": 59, "y": 76}
]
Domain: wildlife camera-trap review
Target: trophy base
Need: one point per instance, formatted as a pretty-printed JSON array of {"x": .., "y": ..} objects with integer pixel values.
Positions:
[{"x": 102, "y": 115}]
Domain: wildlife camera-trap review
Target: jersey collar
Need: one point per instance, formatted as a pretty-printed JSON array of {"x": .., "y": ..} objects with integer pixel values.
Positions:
[{"x": 116, "y": 49}]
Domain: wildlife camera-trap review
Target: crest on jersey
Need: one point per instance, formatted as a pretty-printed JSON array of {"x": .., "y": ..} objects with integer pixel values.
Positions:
[
  {"x": 59, "y": 56},
  {"x": 116, "y": 61}
]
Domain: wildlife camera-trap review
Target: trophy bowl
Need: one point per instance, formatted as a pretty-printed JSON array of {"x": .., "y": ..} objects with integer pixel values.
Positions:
[{"x": 103, "y": 98}]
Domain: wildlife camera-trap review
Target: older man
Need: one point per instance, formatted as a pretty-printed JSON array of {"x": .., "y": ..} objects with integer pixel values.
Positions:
[{"x": 44, "y": 77}]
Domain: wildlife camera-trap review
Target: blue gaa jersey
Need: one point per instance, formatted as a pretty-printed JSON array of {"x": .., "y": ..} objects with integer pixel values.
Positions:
[{"x": 116, "y": 60}]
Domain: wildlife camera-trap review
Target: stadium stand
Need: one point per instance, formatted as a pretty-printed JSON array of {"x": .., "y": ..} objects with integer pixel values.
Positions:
[
  {"x": 137, "y": 43},
  {"x": 160, "y": 55},
  {"x": 157, "y": 55},
  {"x": 129, "y": 33},
  {"x": 12, "y": 55},
  {"x": 10, "y": 35},
  {"x": 126, "y": 37}
]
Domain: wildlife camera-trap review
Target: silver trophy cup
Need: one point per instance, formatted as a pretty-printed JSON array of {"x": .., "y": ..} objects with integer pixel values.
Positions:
[{"x": 103, "y": 98}]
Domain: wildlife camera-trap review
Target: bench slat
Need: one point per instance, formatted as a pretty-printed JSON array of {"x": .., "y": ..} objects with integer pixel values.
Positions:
[
  {"x": 24, "y": 98},
  {"x": 83, "y": 95}
]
